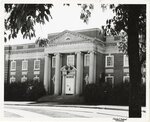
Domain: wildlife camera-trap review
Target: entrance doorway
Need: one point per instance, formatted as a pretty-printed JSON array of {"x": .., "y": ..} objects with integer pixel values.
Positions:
[{"x": 69, "y": 84}]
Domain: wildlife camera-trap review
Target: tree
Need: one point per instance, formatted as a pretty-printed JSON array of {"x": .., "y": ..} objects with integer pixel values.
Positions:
[
  {"x": 23, "y": 17},
  {"x": 130, "y": 19}
]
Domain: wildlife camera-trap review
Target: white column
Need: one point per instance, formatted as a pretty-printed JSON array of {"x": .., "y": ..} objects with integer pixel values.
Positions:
[
  {"x": 57, "y": 75},
  {"x": 92, "y": 68},
  {"x": 63, "y": 84},
  {"x": 79, "y": 78},
  {"x": 81, "y": 75},
  {"x": 47, "y": 72}
]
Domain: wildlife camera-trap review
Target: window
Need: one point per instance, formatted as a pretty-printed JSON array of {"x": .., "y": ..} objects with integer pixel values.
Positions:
[
  {"x": 13, "y": 65},
  {"x": 36, "y": 64},
  {"x": 126, "y": 79},
  {"x": 143, "y": 79},
  {"x": 125, "y": 60},
  {"x": 12, "y": 79},
  {"x": 67, "y": 38},
  {"x": 53, "y": 61},
  {"x": 24, "y": 79},
  {"x": 36, "y": 78},
  {"x": 24, "y": 65},
  {"x": 86, "y": 60},
  {"x": 109, "y": 61},
  {"x": 70, "y": 60},
  {"x": 109, "y": 80}
]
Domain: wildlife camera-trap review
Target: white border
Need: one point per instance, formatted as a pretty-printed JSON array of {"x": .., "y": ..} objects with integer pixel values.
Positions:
[{"x": 81, "y": 1}]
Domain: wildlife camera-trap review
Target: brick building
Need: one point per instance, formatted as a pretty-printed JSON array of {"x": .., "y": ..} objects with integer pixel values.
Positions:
[{"x": 69, "y": 61}]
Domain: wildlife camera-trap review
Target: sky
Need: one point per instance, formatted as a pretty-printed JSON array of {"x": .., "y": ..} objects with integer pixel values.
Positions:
[{"x": 66, "y": 18}]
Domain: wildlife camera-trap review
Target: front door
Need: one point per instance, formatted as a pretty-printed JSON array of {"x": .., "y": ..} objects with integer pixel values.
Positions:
[{"x": 69, "y": 85}]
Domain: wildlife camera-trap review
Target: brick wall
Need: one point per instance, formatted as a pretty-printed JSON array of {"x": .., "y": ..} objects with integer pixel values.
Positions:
[
  {"x": 117, "y": 70},
  {"x": 100, "y": 65}
]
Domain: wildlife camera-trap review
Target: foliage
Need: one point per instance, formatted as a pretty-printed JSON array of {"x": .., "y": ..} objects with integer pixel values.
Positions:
[
  {"x": 86, "y": 12},
  {"x": 118, "y": 26},
  {"x": 42, "y": 42},
  {"x": 105, "y": 94},
  {"x": 17, "y": 91},
  {"x": 23, "y": 17},
  {"x": 94, "y": 94}
]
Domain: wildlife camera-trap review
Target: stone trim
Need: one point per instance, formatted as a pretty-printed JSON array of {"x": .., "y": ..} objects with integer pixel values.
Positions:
[
  {"x": 68, "y": 48},
  {"x": 24, "y": 50},
  {"x": 22, "y": 56}
]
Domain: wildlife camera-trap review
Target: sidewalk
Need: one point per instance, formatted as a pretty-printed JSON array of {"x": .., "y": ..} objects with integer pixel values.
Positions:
[{"x": 55, "y": 104}]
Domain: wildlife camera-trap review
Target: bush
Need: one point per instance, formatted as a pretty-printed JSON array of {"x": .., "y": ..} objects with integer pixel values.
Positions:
[
  {"x": 15, "y": 91},
  {"x": 23, "y": 91},
  {"x": 94, "y": 94},
  {"x": 105, "y": 94}
]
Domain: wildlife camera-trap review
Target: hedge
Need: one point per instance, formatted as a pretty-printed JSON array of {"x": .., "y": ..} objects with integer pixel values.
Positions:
[
  {"x": 26, "y": 91},
  {"x": 105, "y": 94}
]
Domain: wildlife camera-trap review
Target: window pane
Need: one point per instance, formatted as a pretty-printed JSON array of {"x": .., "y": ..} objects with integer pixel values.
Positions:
[
  {"x": 24, "y": 65},
  {"x": 13, "y": 65},
  {"x": 12, "y": 79},
  {"x": 23, "y": 79},
  {"x": 70, "y": 60},
  {"x": 109, "y": 80},
  {"x": 109, "y": 61},
  {"x": 126, "y": 61},
  {"x": 126, "y": 79},
  {"x": 37, "y": 64}
]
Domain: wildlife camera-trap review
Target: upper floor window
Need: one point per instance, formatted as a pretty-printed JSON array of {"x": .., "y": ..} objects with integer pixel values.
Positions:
[
  {"x": 109, "y": 80},
  {"x": 70, "y": 60},
  {"x": 24, "y": 65},
  {"x": 53, "y": 61},
  {"x": 109, "y": 62},
  {"x": 36, "y": 64},
  {"x": 125, "y": 61},
  {"x": 13, "y": 65},
  {"x": 86, "y": 60}
]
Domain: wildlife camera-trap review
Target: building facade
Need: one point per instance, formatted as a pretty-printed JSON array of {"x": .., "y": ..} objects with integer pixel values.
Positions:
[{"x": 71, "y": 60}]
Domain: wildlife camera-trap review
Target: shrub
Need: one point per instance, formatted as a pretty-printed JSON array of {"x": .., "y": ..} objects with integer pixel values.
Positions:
[
  {"x": 94, "y": 94},
  {"x": 24, "y": 91},
  {"x": 35, "y": 90},
  {"x": 106, "y": 94}
]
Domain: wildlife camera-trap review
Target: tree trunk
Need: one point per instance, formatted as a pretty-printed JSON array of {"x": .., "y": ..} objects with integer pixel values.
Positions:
[{"x": 134, "y": 62}]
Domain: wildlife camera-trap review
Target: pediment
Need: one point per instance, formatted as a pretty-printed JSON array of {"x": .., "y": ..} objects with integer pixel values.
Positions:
[{"x": 69, "y": 37}]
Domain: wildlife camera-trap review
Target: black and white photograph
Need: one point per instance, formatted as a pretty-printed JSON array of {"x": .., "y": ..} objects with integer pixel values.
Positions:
[{"x": 75, "y": 60}]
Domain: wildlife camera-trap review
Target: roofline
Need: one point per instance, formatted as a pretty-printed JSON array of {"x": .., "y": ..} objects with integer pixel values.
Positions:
[
  {"x": 19, "y": 44},
  {"x": 82, "y": 30}
]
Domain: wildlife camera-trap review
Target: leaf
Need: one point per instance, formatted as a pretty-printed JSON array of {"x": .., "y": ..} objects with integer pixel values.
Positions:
[
  {"x": 47, "y": 11},
  {"x": 46, "y": 17}
]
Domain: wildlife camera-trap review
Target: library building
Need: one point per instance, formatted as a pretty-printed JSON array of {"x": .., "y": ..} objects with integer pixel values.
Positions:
[{"x": 71, "y": 60}]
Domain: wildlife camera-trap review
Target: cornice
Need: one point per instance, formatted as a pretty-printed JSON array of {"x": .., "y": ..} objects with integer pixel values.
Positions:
[{"x": 25, "y": 50}]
